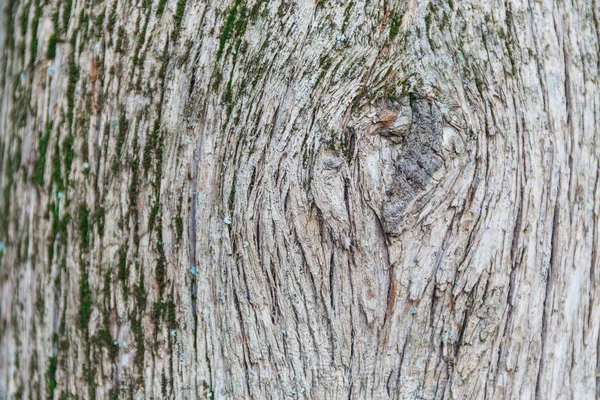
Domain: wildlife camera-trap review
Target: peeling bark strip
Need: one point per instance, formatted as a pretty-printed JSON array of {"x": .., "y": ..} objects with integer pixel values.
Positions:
[{"x": 312, "y": 199}]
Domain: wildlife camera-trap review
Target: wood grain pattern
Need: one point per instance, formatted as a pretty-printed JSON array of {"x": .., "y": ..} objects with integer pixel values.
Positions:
[{"x": 312, "y": 199}]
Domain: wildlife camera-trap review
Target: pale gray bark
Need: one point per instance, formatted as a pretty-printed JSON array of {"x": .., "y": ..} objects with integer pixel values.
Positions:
[{"x": 310, "y": 199}]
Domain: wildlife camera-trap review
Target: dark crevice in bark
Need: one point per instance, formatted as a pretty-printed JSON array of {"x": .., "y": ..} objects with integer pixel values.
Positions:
[
  {"x": 346, "y": 199},
  {"x": 245, "y": 354},
  {"x": 401, "y": 362},
  {"x": 508, "y": 325},
  {"x": 461, "y": 332},
  {"x": 569, "y": 109},
  {"x": 593, "y": 282},
  {"x": 317, "y": 295},
  {"x": 547, "y": 298},
  {"x": 331, "y": 279},
  {"x": 352, "y": 345},
  {"x": 275, "y": 312},
  {"x": 432, "y": 334}
]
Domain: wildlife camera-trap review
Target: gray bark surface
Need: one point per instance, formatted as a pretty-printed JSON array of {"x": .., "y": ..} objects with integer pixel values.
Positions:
[{"x": 312, "y": 199}]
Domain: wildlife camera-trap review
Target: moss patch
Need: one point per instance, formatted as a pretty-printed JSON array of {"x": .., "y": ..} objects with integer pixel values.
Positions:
[
  {"x": 178, "y": 17},
  {"x": 38, "y": 173},
  {"x": 67, "y": 7},
  {"x": 396, "y": 21},
  {"x": 123, "y": 272},
  {"x": 161, "y": 7},
  {"x": 85, "y": 298},
  {"x": 52, "y": 46},
  {"x": 123, "y": 128},
  {"x": 84, "y": 225},
  {"x": 99, "y": 219},
  {"x": 51, "y": 377},
  {"x": 34, "y": 30}
]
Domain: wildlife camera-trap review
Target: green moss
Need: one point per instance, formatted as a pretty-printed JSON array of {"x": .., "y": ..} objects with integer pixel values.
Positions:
[
  {"x": 156, "y": 206},
  {"x": 84, "y": 20},
  {"x": 153, "y": 215},
  {"x": 161, "y": 7},
  {"x": 161, "y": 272},
  {"x": 171, "y": 315},
  {"x": 64, "y": 223},
  {"x": 72, "y": 84},
  {"x": 167, "y": 309},
  {"x": 179, "y": 226},
  {"x": 157, "y": 309},
  {"x": 69, "y": 153},
  {"x": 84, "y": 225},
  {"x": 232, "y": 192},
  {"x": 112, "y": 18},
  {"x": 100, "y": 22},
  {"x": 396, "y": 21},
  {"x": 120, "y": 38},
  {"x": 22, "y": 48},
  {"x": 227, "y": 96},
  {"x": 178, "y": 17},
  {"x": 99, "y": 220},
  {"x": 40, "y": 304},
  {"x": 19, "y": 393},
  {"x": 107, "y": 281},
  {"x": 229, "y": 25},
  {"x": 137, "y": 60},
  {"x": 138, "y": 334},
  {"x": 123, "y": 273},
  {"x": 150, "y": 146},
  {"x": 255, "y": 9},
  {"x": 67, "y": 6},
  {"x": 25, "y": 19},
  {"x": 52, "y": 46},
  {"x": 133, "y": 188},
  {"x": 479, "y": 84},
  {"x": 140, "y": 295},
  {"x": 38, "y": 173},
  {"x": 22, "y": 98},
  {"x": 56, "y": 170},
  {"x": 85, "y": 298},
  {"x": 240, "y": 22},
  {"x": 51, "y": 377},
  {"x": 104, "y": 339},
  {"x": 54, "y": 224},
  {"x": 35, "y": 23},
  {"x": 427, "y": 23},
  {"x": 158, "y": 166},
  {"x": 10, "y": 11},
  {"x": 123, "y": 128},
  {"x": 89, "y": 371}
]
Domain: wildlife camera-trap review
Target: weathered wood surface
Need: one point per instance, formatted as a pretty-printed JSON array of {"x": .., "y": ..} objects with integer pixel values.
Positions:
[{"x": 310, "y": 199}]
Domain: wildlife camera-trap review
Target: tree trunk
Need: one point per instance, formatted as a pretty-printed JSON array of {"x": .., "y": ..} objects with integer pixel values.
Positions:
[{"x": 314, "y": 199}]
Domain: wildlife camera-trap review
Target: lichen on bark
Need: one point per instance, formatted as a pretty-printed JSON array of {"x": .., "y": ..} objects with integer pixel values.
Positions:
[{"x": 313, "y": 199}]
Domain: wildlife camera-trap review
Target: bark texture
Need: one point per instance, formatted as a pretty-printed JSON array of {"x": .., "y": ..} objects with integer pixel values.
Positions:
[{"x": 312, "y": 199}]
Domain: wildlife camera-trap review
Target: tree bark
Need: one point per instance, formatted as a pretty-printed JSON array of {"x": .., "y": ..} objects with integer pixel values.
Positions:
[{"x": 313, "y": 199}]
